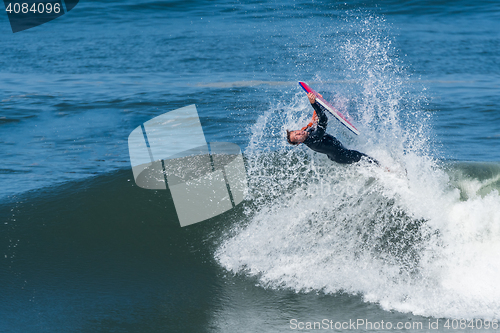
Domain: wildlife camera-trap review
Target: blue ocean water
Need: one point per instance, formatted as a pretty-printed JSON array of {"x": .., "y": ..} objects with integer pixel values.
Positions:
[{"x": 83, "y": 249}]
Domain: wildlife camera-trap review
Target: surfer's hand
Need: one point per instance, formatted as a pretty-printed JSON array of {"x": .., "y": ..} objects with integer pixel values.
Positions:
[{"x": 312, "y": 97}]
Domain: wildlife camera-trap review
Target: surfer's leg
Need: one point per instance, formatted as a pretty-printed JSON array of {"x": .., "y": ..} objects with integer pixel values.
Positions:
[
  {"x": 347, "y": 156},
  {"x": 370, "y": 159},
  {"x": 340, "y": 154}
]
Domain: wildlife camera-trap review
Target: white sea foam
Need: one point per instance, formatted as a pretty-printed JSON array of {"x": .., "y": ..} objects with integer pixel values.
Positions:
[{"x": 411, "y": 239}]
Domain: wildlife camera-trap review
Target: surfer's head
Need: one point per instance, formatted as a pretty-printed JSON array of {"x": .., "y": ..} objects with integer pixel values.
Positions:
[{"x": 296, "y": 137}]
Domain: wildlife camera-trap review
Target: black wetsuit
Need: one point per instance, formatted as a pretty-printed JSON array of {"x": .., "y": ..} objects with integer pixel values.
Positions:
[{"x": 318, "y": 140}]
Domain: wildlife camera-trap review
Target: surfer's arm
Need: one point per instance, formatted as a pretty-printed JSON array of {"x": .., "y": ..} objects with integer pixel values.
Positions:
[
  {"x": 322, "y": 119},
  {"x": 320, "y": 112},
  {"x": 317, "y": 132}
]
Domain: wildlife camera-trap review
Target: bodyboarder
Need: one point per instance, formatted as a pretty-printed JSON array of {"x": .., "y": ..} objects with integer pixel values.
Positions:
[{"x": 315, "y": 137}]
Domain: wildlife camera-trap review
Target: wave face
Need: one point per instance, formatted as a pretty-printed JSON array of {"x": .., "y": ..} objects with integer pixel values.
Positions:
[
  {"x": 82, "y": 249},
  {"x": 422, "y": 238}
]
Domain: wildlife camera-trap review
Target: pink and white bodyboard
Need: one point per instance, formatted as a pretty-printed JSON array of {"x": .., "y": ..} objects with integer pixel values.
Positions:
[{"x": 330, "y": 108}]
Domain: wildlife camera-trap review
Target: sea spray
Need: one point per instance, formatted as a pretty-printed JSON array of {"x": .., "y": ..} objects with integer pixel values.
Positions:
[{"x": 407, "y": 239}]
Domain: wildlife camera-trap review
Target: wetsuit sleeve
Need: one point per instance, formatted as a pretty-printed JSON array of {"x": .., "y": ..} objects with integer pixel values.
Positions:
[{"x": 322, "y": 121}]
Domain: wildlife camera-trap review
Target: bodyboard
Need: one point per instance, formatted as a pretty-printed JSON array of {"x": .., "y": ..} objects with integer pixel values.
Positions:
[{"x": 321, "y": 101}]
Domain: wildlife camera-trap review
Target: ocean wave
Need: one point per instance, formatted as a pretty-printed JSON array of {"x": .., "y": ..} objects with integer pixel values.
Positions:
[{"x": 416, "y": 235}]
